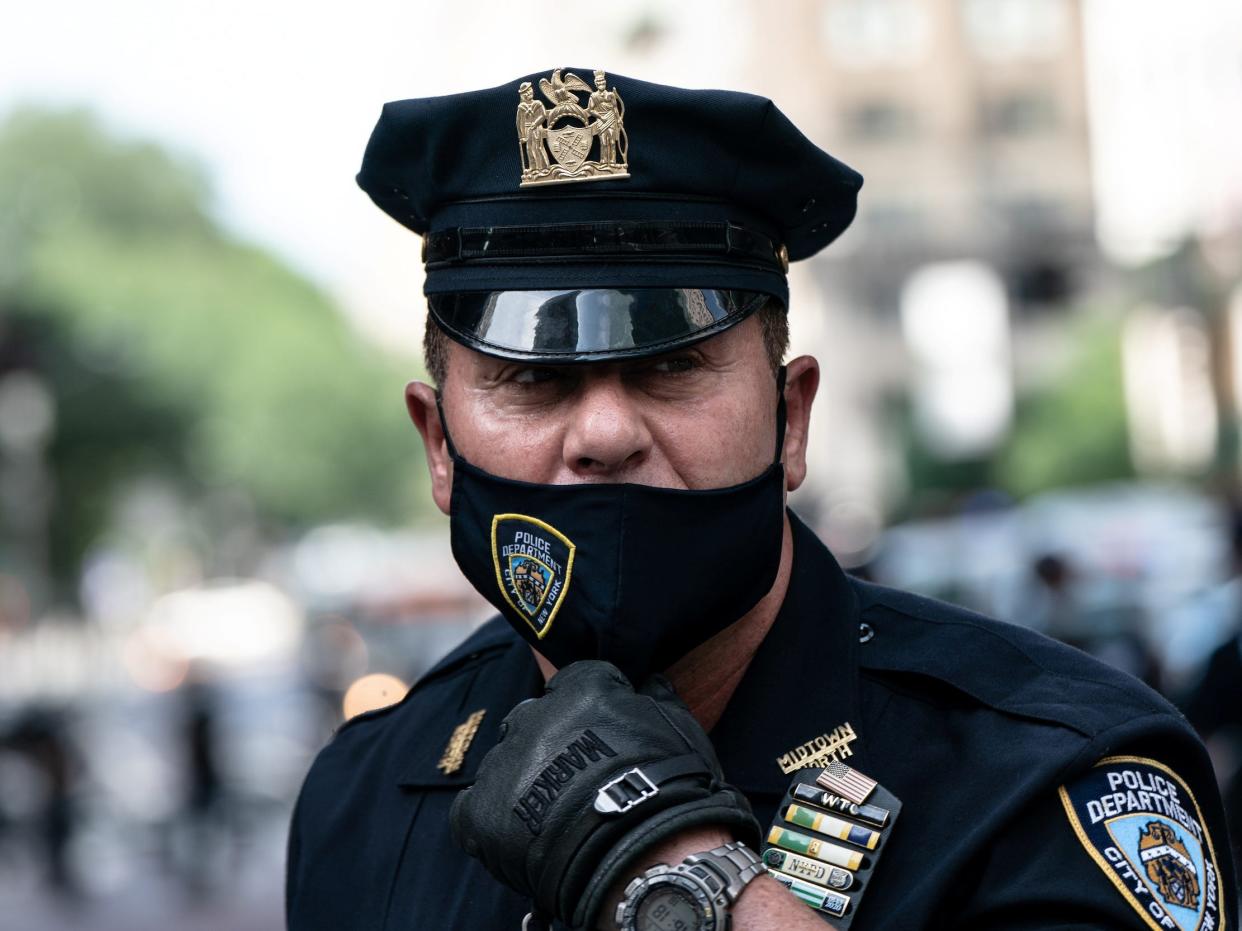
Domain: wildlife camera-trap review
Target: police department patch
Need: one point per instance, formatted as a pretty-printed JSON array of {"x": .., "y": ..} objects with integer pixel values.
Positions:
[
  {"x": 1140, "y": 822},
  {"x": 534, "y": 563}
]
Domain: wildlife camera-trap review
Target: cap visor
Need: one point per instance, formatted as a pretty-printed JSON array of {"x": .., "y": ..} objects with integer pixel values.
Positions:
[{"x": 587, "y": 325}]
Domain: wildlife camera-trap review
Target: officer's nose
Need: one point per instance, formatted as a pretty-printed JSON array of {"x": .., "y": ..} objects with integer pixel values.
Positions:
[{"x": 606, "y": 432}]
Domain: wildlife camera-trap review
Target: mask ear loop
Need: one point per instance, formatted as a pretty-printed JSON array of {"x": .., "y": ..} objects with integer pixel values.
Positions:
[
  {"x": 448, "y": 440},
  {"x": 780, "y": 414}
]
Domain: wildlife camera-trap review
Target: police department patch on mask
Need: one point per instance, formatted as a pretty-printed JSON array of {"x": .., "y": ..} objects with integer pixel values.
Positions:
[
  {"x": 1140, "y": 822},
  {"x": 534, "y": 563}
]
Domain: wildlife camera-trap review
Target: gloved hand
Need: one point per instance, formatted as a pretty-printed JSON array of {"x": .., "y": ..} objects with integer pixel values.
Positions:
[{"x": 557, "y": 812}]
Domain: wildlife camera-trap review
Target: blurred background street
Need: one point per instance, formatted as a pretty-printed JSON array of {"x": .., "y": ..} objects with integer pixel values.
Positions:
[{"x": 216, "y": 540}]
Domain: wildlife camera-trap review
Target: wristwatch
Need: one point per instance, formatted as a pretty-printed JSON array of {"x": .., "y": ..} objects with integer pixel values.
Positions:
[{"x": 695, "y": 895}]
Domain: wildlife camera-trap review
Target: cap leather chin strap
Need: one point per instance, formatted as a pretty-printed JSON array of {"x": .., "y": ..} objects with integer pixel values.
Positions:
[{"x": 613, "y": 241}]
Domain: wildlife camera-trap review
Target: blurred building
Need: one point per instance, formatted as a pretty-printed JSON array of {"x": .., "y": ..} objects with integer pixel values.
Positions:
[
  {"x": 969, "y": 120},
  {"x": 1161, "y": 79}
]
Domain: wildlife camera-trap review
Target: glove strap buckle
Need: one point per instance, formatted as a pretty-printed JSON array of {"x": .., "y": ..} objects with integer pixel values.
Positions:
[{"x": 623, "y": 793}]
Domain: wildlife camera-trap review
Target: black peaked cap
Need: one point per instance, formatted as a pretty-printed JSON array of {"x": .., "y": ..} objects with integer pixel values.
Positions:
[{"x": 722, "y": 190}]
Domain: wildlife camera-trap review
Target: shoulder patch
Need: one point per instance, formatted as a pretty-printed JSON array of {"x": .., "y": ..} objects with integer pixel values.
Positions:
[{"x": 1141, "y": 824}]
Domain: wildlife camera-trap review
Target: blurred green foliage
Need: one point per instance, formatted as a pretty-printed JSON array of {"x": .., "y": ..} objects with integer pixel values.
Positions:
[
  {"x": 1072, "y": 431},
  {"x": 172, "y": 348}
]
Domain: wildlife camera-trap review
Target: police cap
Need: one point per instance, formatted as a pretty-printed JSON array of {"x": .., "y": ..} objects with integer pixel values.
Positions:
[{"x": 573, "y": 215}]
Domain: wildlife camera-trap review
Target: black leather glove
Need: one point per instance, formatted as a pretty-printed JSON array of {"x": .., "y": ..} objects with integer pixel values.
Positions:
[{"x": 558, "y": 813}]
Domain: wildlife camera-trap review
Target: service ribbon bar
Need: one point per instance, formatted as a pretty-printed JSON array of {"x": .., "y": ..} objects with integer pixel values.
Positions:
[
  {"x": 833, "y": 827},
  {"x": 806, "y": 868},
  {"x": 819, "y": 849},
  {"x": 825, "y": 900}
]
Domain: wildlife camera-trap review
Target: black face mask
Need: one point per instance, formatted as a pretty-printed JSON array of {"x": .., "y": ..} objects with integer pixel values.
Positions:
[{"x": 632, "y": 574}]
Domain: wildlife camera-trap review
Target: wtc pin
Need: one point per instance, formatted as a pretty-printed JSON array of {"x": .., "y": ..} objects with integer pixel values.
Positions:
[{"x": 813, "y": 795}]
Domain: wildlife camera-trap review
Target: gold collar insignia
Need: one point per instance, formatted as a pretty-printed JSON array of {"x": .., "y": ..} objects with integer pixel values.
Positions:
[{"x": 459, "y": 742}]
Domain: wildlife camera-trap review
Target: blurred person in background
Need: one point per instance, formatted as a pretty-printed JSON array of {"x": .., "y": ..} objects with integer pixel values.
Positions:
[
  {"x": 204, "y": 816},
  {"x": 685, "y": 680},
  {"x": 1214, "y": 707},
  {"x": 1214, "y": 703},
  {"x": 41, "y": 737},
  {"x": 1051, "y": 603},
  {"x": 1055, "y": 604}
]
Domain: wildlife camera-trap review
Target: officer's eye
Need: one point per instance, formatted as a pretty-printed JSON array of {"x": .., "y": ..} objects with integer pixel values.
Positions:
[
  {"x": 535, "y": 376},
  {"x": 677, "y": 365}
]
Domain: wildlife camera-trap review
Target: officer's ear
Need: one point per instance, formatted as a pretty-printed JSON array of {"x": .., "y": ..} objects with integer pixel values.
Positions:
[
  {"x": 420, "y": 401},
  {"x": 801, "y": 383}
]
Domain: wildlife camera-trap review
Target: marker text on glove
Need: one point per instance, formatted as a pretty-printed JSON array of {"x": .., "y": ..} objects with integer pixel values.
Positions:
[{"x": 533, "y": 804}]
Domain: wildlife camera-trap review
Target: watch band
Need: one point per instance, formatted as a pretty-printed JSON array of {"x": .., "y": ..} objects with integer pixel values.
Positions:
[
  {"x": 735, "y": 864},
  {"x": 717, "y": 878}
]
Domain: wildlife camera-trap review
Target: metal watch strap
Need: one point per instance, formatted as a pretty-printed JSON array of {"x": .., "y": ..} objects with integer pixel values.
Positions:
[
  {"x": 721, "y": 875},
  {"x": 735, "y": 863}
]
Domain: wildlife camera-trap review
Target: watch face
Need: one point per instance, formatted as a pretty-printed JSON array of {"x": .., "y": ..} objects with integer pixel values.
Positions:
[{"x": 669, "y": 908}]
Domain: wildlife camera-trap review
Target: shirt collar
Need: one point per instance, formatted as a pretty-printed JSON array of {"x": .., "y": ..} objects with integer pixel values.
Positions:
[{"x": 803, "y": 680}]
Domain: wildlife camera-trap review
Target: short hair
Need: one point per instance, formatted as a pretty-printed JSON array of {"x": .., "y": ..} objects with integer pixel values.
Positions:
[{"x": 773, "y": 321}]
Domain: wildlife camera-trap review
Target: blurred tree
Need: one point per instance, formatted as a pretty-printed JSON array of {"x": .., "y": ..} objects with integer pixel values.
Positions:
[
  {"x": 1074, "y": 431},
  {"x": 1201, "y": 274},
  {"x": 171, "y": 348},
  {"x": 1070, "y": 432}
]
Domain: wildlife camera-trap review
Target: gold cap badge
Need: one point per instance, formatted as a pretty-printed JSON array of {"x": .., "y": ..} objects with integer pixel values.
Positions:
[{"x": 568, "y": 131}]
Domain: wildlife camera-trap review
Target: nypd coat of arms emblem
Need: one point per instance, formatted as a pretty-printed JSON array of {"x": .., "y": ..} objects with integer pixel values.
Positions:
[
  {"x": 1142, "y": 826},
  {"x": 567, "y": 129},
  {"x": 534, "y": 565},
  {"x": 1168, "y": 864}
]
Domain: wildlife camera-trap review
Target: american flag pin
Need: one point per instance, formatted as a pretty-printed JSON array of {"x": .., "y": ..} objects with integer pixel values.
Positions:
[{"x": 846, "y": 782}]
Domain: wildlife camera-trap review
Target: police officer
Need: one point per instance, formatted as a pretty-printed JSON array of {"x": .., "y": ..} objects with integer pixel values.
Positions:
[{"x": 686, "y": 711}]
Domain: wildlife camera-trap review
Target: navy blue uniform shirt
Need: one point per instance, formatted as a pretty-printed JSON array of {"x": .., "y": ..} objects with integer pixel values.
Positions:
[{"x": 988, "y": 733}]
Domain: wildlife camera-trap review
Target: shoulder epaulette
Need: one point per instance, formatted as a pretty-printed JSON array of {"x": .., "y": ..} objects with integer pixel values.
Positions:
[{"x": 1025, "y": 673}]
